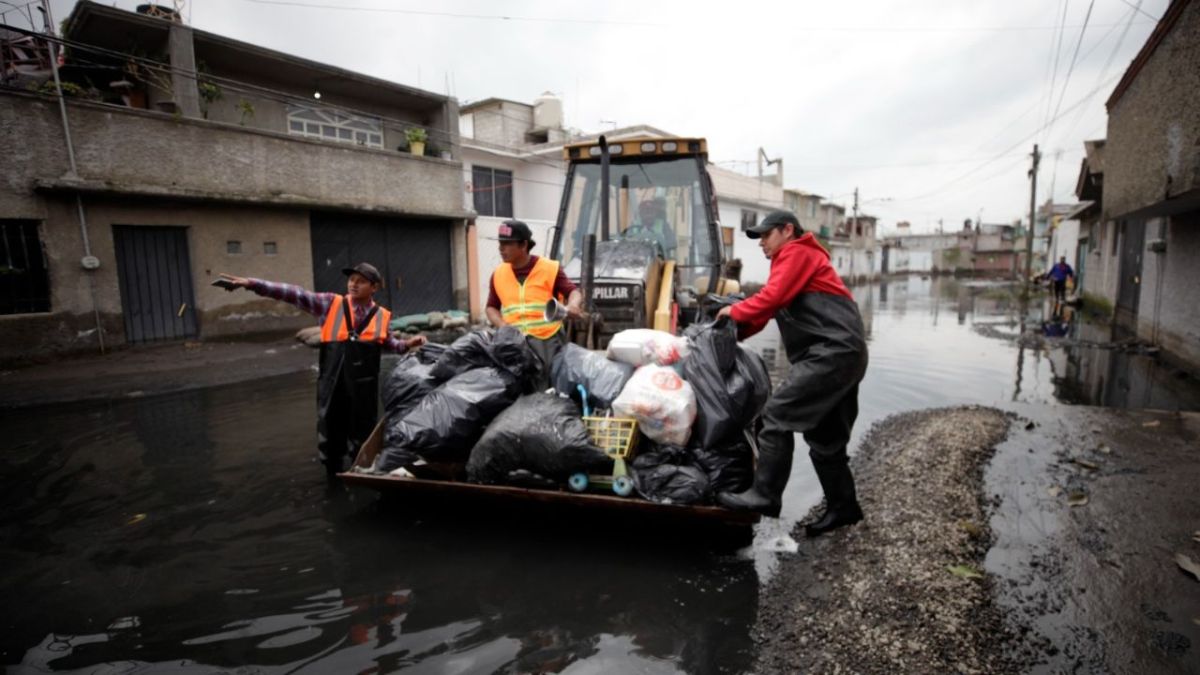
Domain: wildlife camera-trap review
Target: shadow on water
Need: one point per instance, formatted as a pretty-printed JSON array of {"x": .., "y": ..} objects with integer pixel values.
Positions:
[{"x": 191, "y": 532}]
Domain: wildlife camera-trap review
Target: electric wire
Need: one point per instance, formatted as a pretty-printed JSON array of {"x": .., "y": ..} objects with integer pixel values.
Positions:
[
  {"x": 1071, "y": 68},
  {"x": 511, "y": 18}
]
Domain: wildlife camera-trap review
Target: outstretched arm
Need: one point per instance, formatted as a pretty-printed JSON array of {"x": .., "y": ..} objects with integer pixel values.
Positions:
[{"x": 316, "y": 304}]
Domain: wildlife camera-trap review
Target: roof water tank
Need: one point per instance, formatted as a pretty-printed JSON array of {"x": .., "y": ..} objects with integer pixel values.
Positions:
[{"x": 547, "y": 111}]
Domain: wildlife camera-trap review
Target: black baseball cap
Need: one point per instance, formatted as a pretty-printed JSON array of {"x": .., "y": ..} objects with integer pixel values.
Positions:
[
  {"x": 515, "y": 230},
  {"x": 773, "y": 219},
  {"x": 367, "y": 270}
]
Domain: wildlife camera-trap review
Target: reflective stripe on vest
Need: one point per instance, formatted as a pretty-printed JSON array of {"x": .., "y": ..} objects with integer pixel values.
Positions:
[
  {"x": 524, "y": 304},
  {"x": 334, "y": 328}
]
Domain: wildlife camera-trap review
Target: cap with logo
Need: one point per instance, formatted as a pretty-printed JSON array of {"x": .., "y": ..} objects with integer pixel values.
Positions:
[
  {"x": 515, "y": 230},
  {"x": 366, "y": 269},
  {"x": 773, "y": 219}
]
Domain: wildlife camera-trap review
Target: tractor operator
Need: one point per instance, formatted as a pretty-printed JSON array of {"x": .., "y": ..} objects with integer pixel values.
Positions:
[
  {"x": 354, "y": 331},
  {"x": 822, "y": 334},
  {"x": 652, "y": 226},
  {"x": 519, "y": 290}
]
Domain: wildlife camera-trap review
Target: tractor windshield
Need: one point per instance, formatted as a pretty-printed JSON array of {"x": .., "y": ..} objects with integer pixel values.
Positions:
[{"x": 660, "y": 201}]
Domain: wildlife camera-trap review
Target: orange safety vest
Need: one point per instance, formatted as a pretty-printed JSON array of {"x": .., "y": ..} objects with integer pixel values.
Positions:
[
  {"x": 524, "y": 304},
  {"x": 334, "y": 328}
]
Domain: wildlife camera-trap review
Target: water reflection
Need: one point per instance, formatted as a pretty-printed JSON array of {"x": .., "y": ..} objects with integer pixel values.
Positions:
[
  {"x": 191, "y": 532},
  {"x": 918, "y": 360}
]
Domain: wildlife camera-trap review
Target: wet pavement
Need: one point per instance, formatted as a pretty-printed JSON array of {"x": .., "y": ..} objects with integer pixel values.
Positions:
[{"x": 191, "y": 531}]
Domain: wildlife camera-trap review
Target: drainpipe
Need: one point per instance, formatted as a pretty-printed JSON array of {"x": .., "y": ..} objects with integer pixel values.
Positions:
[{"x": 89, "y": 262}]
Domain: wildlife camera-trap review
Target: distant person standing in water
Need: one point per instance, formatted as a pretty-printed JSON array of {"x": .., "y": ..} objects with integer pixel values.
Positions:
[{"x": 1058, "y": 276}]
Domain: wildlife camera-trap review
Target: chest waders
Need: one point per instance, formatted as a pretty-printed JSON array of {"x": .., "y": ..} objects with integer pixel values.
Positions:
[
  {"x": 823, "y": 337},
  {"x": 347, "y": 390}
]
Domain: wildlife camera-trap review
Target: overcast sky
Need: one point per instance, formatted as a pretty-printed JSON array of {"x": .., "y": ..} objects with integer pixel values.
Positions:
[{"x": 930, "y": 108}]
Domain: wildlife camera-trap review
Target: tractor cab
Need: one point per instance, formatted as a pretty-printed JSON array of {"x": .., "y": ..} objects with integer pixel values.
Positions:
[{"x": 647, "y": 207}]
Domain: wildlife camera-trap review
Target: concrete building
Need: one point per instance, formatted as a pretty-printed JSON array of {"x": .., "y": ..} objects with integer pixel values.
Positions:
[
  {"x": 742, "y": 200},
  {"x": 993, "y": 250},
  {"x": 807, "y": 207},
  {"x": 1098, "y": 260},
  {"x": 907, "y": 253},
  {"x": 213, "y": 156},
  {"x": 1151, "y": 172}
]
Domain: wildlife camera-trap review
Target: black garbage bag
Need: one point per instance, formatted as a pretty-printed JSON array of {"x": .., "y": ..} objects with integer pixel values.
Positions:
[
  {"x": 445, "y": 425},
  {"x": 540, "y": 434},
  {"x": 731, "y": 383},
  {"x": 604, "y": 379},
  {"x": 729, "y": 466},
  {"x": 466, "y": 353},
  {"x": 511, "y": 353},
  {"x": 503, "y": 348},
  {"x": 409, "y": 382},
  {"x": 667, "y": 475}
]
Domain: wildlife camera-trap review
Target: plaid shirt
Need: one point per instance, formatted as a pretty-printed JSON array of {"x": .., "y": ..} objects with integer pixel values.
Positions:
[{"x": 318, "y": 304}]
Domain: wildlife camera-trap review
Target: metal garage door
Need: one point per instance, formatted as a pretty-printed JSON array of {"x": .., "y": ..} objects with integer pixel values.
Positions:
[
  {"x": 413, "y": 255},
  {"x": 155, "y": 276}
]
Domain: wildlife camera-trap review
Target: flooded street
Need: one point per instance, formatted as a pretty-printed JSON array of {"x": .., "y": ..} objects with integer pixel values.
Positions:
[{"x": 191, "y": 532}]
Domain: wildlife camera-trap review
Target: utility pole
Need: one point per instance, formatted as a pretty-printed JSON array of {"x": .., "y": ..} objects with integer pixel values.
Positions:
[
  {"x": 1037, "y": 156},
  {"x": 854, "y": 219}
]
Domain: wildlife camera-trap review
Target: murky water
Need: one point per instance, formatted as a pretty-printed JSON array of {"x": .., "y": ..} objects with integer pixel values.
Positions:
[{"x": 192, "y": 533}]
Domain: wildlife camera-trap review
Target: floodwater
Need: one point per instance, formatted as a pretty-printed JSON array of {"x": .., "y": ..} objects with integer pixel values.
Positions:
[{"x": 192, "y": 533}]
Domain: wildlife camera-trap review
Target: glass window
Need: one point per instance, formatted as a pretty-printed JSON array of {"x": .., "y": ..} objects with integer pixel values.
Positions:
[
  {"x": 233, "y": 247},
  {"x": 492, "y": 191},
  {"x": 24, "y": 274},
  {"x": 270, "y": 248},
  {"x": 660, "y": 201},
  {"x": 331, "y": 125}
]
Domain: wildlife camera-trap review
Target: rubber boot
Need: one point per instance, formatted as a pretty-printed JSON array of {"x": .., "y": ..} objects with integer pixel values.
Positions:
[
  {"x": 841, "y": 500},
  {"x": 770, "y": 477}
]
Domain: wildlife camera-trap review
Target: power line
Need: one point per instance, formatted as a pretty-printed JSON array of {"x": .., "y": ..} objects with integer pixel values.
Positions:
[
  {"x": 1138, "y": 8},
  {"x": 503, "y": 17},
  {"x": 454, "y": 15},
  {"x": 1009, "y": 149},
  {"x": 1107, "y": 64},
  {"x": 1057, "y": 54},
  {"x": 1074, "y": 56}
]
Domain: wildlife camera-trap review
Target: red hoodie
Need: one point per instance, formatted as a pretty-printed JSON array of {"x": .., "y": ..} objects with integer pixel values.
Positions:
[{"x": 800, "y": 266}]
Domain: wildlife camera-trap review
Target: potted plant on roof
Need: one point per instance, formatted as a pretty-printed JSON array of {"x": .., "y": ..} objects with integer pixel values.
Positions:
[{"x": 416, "y": 137}]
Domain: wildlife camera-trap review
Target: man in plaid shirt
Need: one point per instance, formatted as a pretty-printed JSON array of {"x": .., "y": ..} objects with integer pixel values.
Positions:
[{"x": 354, "y": 332}]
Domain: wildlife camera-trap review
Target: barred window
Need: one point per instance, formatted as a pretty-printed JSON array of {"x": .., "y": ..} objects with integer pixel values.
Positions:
[{"x": 24, "y": 275}]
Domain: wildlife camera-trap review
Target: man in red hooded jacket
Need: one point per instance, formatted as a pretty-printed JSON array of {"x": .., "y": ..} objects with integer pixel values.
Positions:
[{"x": 822, "y": 333}]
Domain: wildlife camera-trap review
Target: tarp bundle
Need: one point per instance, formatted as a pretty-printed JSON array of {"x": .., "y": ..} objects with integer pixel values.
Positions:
[
  {"x": 481, "y": 374},
  {"x": 540, "y": 435}
]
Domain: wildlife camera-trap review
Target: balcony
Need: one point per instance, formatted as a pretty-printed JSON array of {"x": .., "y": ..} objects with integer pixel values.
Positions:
[{"x": 138, "y": 152}]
